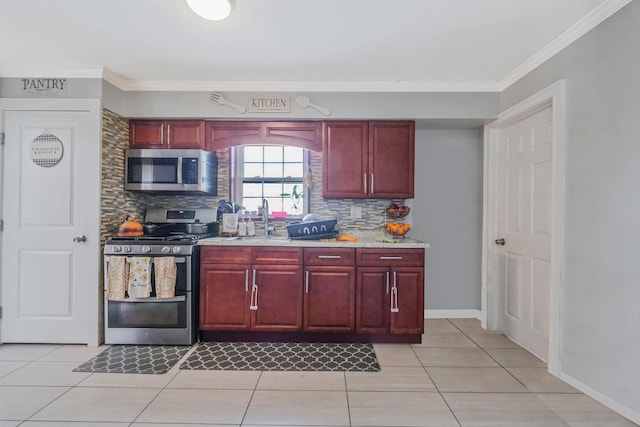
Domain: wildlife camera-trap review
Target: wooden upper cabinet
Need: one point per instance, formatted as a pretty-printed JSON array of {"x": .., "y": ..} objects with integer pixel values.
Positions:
[
  {"x": 167, "y": 134},
  {"x": 345, "y": 159},
  {"x": 224, "y": 134},
  {"x": 391, "y": 159},
  {"x": 368, "y": 159}
]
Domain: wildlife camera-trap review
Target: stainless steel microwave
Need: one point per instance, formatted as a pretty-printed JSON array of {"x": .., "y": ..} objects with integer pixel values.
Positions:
[{"x": 171, "y": 171}]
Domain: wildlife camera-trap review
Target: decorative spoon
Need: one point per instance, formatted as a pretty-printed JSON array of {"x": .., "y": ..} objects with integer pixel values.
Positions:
[{"x": 305, "y": 101}]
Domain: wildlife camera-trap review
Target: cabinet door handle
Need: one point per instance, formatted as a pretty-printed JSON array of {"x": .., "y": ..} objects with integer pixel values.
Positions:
[
  {"x": 329, "y": 256},
  {"x": 394, "y": 294},
  {"x": 365, "y": 182},
  {"x": 254, "y": 298},
  {"x": 387, "y": 283},
  {"x": 168, "y": 135},
  {"x": 390, "y": 257},
  {"x": 253, "y": 303},
  {"x": 162, "y": 134},
  {"x": 246, "y": 280},
  {"x": 394, "y": 300},
  {"x": 372, "y": 187},
  {"x": 306, "y": 281}
]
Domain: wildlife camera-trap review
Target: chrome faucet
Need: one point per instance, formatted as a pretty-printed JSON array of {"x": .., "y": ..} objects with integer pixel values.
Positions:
[{"x": 265, "y": 217}]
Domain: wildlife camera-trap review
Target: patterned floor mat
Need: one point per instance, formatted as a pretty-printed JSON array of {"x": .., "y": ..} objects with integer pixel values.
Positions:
[
  {"x": 261, "y": 356},
  {"x": 135, "y": 359}
]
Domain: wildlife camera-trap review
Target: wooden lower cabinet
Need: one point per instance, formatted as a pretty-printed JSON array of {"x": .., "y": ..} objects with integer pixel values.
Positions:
[
  {"x": 407, "y": 301},
  {"x": 276, "y": 298},
  {"x": 239, "y": 293},
  {"x": 389, "y": 300},
  {"x": 224, "y": 297},
  {"x": 353, "y": 292},
  {"x": 373, "y": 300},
  {"x": 329, "y": 304},
  {"x": 390, "y": 291}
]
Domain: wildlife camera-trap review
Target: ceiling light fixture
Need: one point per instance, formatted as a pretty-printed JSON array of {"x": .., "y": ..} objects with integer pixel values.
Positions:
[{"x": 213, "y": 10}]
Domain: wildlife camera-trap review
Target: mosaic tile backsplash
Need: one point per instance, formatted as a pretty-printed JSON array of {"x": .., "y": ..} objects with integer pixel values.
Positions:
[{"x": 116, "y": 202}]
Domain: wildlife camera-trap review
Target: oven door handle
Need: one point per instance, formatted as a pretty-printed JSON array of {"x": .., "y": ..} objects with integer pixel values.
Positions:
[
  {"x": 154, "y": 300},
  {"x": 178, "y": 260}
]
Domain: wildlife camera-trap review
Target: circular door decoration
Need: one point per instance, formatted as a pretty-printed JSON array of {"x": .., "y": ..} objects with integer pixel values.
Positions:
[{"x": 46, "y": 150}]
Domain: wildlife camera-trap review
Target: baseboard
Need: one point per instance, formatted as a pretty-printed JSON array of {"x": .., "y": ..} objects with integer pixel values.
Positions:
[
  {"x": 452, "y": 314},
  {"x": 605, "y": 400}
]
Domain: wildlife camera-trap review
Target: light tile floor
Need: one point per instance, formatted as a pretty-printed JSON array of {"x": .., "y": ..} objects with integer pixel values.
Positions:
[{"x": 461, "y": 375}]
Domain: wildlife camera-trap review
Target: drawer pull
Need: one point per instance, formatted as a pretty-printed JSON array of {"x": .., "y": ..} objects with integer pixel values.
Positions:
[
  {"x": 391, "y": 257},
  {"x": 330, "y": 256}
]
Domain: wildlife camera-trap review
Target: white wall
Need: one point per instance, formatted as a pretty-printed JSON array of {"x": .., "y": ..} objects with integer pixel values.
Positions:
[
  {"x": 600, "y": 311},
  {"x": 447, "y": 213}
]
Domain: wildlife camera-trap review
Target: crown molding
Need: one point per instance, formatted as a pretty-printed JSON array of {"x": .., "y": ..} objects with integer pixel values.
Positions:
[
  {"x": 271, "y": 86},
  {"x": 577, "y": 30},
  {"x": 69, "y": 73},
  {"x": 114, "y": 78},
  {"x": 125, "y": 84}
]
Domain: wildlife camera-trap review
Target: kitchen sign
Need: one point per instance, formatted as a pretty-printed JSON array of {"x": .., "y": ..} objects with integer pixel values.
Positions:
[
  {"x": 269, "y": 104},
  {"x": 42, "y": 86}
]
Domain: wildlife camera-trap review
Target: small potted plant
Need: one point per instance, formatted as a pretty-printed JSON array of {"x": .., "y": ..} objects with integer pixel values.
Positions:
[{"x": 296, "y": 199}]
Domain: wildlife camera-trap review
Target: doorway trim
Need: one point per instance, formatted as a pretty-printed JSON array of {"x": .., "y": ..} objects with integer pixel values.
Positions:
[{"x": 553, "y": 96}]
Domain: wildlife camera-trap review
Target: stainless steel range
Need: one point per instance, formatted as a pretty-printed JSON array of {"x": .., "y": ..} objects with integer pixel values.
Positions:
[{"x": 154, "y": 318}]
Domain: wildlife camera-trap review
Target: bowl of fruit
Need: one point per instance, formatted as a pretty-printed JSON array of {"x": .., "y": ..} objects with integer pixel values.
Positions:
[
  {"x": 396, "y": 229},
  {"x": 397, "y": 211}
]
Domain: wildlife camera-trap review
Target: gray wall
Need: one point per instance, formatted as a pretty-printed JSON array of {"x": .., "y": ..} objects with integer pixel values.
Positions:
[
  {"x": 468, "y": 109},
  {"x": 447, "y": 213},
  {"x": 600, "y": 311}
]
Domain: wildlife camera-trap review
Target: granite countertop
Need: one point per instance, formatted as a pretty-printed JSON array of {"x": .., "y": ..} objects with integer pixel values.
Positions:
[{"x": 364, "y": 241}]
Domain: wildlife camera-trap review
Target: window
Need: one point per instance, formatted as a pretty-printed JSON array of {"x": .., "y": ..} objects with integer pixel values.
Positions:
[{"x": 272, "y": 172}]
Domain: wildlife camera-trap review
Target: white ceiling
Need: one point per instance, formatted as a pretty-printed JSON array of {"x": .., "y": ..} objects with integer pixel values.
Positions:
[{"x": 312, "y": 45}]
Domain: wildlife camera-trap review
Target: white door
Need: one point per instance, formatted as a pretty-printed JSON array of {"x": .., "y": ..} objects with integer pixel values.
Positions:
[
  {"x": 50, "y": 242},
  {"x": 524, "y": 222}
]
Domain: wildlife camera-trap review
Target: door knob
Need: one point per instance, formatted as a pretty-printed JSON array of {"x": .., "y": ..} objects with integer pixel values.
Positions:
[
  {"x": 500, "y": 242},
  {"x": 80, "y": 239}
]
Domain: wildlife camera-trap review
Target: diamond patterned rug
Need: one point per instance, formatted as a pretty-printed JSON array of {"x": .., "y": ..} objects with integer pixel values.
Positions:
[
  {"x": 135, "y": 359},
  {"x": 264, "y": 356}
]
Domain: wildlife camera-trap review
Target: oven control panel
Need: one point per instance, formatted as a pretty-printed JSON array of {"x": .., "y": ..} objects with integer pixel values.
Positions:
[{"x": 120, "y": 249}]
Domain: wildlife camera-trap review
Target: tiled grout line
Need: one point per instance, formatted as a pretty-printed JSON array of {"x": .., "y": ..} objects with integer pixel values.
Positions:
[
  {"x": 177, "y": 366},
  {"x": 346, "y": 391},
  {"x": 436, "y": 385},
  {"x": 492, "y": 358},
  {"x": 253, "y": 392},
  {"x": 257, "y": 382},
  {"x": 69, "y": 388}
]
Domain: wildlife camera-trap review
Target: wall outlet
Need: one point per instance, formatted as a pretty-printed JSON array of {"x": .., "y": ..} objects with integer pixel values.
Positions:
[{"x": 356, "y": 212}]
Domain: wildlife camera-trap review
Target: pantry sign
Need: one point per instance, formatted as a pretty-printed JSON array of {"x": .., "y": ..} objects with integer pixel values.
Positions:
[{"x": 44, "y": 86}]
